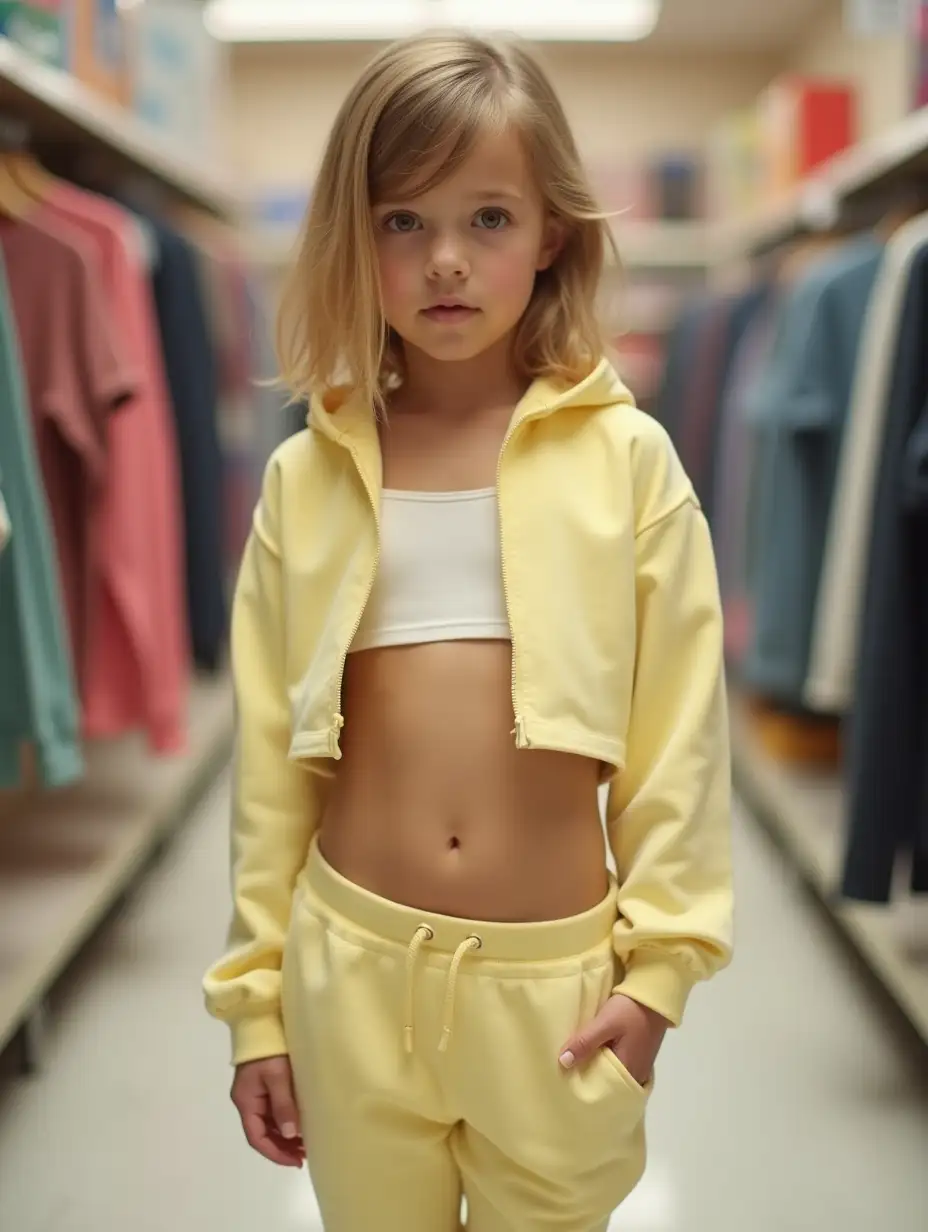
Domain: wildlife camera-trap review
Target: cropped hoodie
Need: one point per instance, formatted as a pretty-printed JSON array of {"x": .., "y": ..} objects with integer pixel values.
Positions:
[{"x": 616, "y": 628}]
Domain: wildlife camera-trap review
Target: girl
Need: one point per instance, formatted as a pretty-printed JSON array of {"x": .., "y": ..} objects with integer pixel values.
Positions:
[{"x": 478, "y": 587}]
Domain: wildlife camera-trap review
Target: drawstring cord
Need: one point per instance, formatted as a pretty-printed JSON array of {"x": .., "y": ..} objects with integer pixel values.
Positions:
[
  {"x": 466, "y": 946},
  {"x": 423, "y": 934}
]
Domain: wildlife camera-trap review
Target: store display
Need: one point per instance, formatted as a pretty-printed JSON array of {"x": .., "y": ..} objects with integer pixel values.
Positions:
[
  {"x": 823, "y": 454},
  {"x": 38, "y": 26},
  {"x": 97, "y": 50},
  {"x": 177, "y": 74}
]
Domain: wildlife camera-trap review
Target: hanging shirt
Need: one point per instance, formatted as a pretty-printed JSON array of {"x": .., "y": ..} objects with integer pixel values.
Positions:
[
  {"x": 733, "y": 478},
  {"x": 191, "y": 365},
  {"x": 799, "y": 410},
  {"x": 4, "y": 520},
  {"x": 887, "y": 768},
  {"x": 76, "y": 377},
  {"x": 832, "y": 663},
  {"x": 138, "y": 669},
  {"x": 38, "y": 701}
]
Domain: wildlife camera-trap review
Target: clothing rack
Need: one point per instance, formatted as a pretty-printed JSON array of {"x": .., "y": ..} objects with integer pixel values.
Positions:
[
  {"x": 69, "y": 855},
  {"x": 805, "y": 809}
]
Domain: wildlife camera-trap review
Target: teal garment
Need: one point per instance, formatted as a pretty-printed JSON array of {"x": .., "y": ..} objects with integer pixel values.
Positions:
[
  {"x": 38, "y": 702},
  {"x": 798, "y": 410}
]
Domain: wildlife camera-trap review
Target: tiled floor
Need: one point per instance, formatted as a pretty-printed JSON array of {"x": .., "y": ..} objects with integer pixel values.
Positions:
[{"x": 786, "y": 1104}]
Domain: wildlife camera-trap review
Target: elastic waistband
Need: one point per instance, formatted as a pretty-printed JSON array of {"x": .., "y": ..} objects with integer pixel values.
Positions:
[{"x": 537, "y": 942}]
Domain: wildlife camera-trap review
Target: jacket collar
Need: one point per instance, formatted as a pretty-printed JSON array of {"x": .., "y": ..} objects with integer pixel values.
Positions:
[{"x": 346, "y": 418}]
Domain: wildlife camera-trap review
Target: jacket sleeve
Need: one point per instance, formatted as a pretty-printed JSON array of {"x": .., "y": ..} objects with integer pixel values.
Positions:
[
  {"x": 274, "y": 807},
  {"x": 668, "y": 812}
]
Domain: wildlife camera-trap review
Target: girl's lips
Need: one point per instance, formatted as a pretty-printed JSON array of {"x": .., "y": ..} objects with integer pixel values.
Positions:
[{"x": 449, "y": 315}]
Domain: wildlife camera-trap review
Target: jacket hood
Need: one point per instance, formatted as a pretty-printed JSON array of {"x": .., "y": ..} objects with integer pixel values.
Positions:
[{"x": 340, "y": 411}]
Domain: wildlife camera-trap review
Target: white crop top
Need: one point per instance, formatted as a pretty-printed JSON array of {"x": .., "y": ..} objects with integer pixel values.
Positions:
[{"x": 440, "y": 577}]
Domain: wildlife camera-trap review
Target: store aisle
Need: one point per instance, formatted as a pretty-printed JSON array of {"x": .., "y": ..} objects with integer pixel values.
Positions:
[{"x": 785, "y": 1104}]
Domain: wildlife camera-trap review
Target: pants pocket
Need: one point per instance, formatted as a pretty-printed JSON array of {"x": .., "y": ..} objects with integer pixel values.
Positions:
[{"x": 625, "y": 1076}]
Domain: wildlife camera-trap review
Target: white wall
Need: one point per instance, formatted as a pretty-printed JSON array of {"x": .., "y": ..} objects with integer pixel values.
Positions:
[
  {"x": 881, "y": 68},
  {"x": 621, "y": 100}
]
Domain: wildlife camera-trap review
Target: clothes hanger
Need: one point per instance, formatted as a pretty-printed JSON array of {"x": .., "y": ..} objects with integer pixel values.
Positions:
[{"x": 15, "y": 202}]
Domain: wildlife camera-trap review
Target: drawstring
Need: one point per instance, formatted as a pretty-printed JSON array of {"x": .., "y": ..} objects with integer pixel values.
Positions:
[
  {"x": 423, "y": 934},
  {"x": 471, "y": 943}
]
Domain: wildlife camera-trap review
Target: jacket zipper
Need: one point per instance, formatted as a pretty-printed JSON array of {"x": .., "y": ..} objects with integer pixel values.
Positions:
[
  {"x": 522, "y": 740},
  {"x": 339, "y": 719}
]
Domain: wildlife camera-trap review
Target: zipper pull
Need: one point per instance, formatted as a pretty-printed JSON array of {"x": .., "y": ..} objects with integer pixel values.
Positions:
[
  {"x": 338, "y": 722},
  {"x": 519, "y": 733}
]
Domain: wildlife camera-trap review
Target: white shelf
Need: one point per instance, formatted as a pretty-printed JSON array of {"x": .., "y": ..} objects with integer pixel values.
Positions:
[
  {"x": 55, "y": 105},
  {"x": 666, "y": 245},
  {"x": 804, "y": 811},
  {"x": 897, "y": 153},
  {"x": 66, "y": 857}
]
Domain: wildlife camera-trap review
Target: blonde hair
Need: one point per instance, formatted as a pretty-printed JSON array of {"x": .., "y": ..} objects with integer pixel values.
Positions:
[{"x": 409, "y": 122}]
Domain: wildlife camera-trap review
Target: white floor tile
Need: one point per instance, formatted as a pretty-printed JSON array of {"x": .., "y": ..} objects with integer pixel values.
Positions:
[{"x": 785, "y": 1104}]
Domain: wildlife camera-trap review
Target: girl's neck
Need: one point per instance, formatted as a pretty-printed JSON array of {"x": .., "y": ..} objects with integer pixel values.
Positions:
[{"x": 459, "y": 389}]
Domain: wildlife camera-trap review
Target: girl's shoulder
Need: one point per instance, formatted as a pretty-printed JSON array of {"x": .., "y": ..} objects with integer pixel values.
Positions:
[{"x": 650, "y": 464}]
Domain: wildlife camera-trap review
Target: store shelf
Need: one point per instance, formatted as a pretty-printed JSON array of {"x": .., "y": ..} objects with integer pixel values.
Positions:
[
  {"x": 804, "y": 811},
  {"x": 895, "y": 156},
  {"x": 57, "y": 107},
  {"x": 666, "y": 245},
  {"x": 67, "y": 857}
]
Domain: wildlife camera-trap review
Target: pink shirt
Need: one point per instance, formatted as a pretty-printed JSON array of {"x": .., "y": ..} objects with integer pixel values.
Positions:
[
  {"x": 138, "y": 671},
  {"x": 77, "y": 375}
]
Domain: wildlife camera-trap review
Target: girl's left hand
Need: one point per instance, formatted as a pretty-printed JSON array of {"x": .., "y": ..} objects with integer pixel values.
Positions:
[{"x": 634, "y": 1033}]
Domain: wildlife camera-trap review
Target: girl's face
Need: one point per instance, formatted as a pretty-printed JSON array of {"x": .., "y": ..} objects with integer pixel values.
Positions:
[{"x": 458, "y": 263}]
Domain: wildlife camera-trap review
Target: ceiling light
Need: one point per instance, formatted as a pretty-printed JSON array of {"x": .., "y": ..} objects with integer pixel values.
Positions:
[{"x": 255, "y": 21}]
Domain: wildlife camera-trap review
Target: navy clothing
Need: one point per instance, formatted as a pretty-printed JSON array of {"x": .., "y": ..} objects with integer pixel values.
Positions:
[
  {"x": 193, "y": 380},
  {"x": 798, "y": 411},
  {"x": 888, "y": 754}
]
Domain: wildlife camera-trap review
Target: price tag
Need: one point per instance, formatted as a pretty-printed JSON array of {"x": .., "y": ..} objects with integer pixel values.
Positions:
[{"x": 874, "y": 18}]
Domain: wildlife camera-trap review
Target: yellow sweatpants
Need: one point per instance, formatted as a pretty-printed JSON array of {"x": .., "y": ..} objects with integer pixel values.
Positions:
[{"x": 425, "y": 1055}]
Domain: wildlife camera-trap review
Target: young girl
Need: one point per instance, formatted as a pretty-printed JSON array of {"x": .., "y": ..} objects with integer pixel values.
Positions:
[{"x": 478, "y": 587}]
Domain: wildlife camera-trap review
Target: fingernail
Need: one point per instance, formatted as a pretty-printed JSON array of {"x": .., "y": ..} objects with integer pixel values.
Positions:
[
  {"x": 289, "y": 1131},
  {"x": 568, "y": 1060}
]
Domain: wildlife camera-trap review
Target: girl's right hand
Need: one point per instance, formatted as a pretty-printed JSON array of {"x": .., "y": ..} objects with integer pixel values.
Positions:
[{"x": 263, "y": 1094}]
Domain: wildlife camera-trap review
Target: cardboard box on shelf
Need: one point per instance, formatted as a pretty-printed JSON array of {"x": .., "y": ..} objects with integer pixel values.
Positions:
[
  {"x": 179, "y": 74},
  {"x": 804, "y": 122},
  {"x": 96, "y": 48},
  {"x": 38, "y": 26}
]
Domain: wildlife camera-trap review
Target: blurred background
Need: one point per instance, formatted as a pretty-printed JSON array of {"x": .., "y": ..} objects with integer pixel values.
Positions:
[{"x": 768, "y": 168}]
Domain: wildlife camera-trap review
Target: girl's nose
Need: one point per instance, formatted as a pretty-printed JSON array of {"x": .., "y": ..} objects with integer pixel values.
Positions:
[{"x": 447, "y": 259}]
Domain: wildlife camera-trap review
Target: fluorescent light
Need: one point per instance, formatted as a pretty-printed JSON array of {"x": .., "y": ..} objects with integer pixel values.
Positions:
[{"x": 256, "y": 21}]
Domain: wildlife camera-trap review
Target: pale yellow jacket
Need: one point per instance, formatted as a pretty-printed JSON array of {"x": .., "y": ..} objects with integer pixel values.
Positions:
[{"x": 617, "y": 655}]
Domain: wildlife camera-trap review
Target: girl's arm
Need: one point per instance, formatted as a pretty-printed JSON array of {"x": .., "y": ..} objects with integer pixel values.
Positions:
[
  {"x": 274, "y": 807},
  {"x": 668, "y": 814}
]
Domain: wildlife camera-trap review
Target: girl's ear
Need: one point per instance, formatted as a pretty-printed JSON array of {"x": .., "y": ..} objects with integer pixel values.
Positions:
[{"x": 552, "y": 241}]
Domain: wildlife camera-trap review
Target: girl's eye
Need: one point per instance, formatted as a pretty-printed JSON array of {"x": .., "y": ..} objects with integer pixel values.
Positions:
[
  {"x": 402, "y": 223},
  {"x": 492, "y": 219}
]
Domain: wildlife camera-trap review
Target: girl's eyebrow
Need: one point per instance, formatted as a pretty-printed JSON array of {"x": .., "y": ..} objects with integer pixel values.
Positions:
[{"x": 510, "y": 194}]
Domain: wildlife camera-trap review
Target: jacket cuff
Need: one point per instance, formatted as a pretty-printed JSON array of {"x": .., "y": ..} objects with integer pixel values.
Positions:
[
  {"x": 657, "y": 982},
  {"x": 255, "y": 1039}
]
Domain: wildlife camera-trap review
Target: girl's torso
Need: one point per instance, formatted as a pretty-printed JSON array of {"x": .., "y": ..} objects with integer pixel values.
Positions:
[{"x": 433, "y": 805}]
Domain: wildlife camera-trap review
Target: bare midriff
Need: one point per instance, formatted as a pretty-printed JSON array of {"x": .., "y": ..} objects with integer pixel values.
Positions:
[{"x": 433, "y": 805}]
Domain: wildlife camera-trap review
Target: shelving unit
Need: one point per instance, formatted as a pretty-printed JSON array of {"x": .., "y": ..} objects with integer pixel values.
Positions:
[
  {"x": 661, "y": 245},
  {"x": 898, "y": 155},
  {"x": 66, "y": 857},
  {"x": 804, "y": 811},
  {"x": 56, "y": 107}
]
